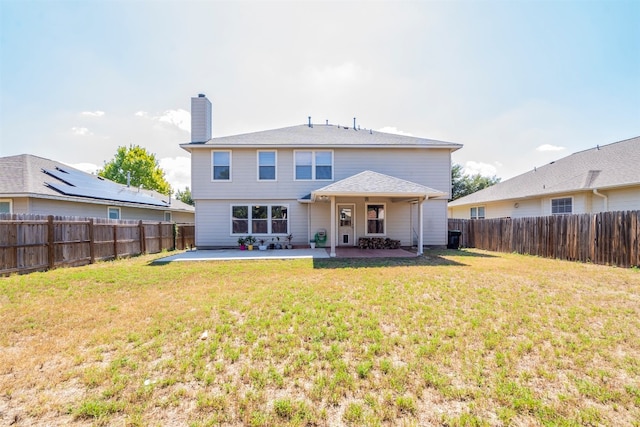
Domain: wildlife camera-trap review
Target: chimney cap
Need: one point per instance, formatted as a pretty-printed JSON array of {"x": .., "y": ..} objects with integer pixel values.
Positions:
[{"x": 202, "y": 95}]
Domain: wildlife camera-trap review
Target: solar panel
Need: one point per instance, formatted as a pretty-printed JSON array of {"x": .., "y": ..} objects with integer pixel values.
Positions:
[{"x": 76, "y": 183}]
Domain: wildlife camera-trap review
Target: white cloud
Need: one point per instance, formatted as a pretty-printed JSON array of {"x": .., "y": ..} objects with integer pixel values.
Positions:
[
  {"x": 179, "y": 118},
  {"x": 177, "y": 171},
  {"x": 549, "y": 147},
  {"x": 93, "y": 113},
  {"x": 394, "y": 130},
  {"x": 81, "y": 131},
  {"x": 331, "y": 76},
  {"x": 85, "y": 167},
  {"x": 484, "y": 169}
]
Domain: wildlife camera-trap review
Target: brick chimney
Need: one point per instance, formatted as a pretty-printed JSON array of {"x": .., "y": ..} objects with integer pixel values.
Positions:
[{"x": 200, "y": 119}]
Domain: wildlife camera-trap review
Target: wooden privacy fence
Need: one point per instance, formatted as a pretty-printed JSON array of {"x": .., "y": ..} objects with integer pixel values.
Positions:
[
  {"x": 38, "y": 242},
  {"x": 610, "y": 238}
]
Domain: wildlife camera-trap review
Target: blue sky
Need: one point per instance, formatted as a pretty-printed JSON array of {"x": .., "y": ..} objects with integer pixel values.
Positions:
[{"x": 519, "y": 83}]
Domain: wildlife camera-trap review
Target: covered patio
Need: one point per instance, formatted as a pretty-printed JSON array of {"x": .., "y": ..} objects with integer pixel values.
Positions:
[{"x": 366, "y": 186}]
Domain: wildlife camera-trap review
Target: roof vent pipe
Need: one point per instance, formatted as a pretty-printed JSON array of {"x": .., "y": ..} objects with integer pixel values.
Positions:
[
  {"x": 310, "y": 122},
  {"x": 354, "y": 124},
  {"x": 326, "y": 123},
  {"x": 128, "y": 179}
]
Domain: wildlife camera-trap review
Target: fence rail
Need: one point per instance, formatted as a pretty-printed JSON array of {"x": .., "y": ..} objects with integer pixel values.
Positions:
[
  {"x": 609, "y": 238},
  {"x": 38, "y": 242}
]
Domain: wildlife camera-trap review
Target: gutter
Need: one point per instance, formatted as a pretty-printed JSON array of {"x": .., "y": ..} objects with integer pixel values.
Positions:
[{"x": 606, "y": 199}]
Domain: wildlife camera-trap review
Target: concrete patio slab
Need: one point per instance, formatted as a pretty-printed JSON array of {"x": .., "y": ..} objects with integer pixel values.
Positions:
[
  {"x": 236, "y": 254},
  {"x": 318, "y": 253}
]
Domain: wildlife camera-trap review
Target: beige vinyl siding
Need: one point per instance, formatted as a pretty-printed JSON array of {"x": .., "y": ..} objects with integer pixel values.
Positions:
[
  {"x": 622, "y": 200},
  {"x": 435, "y": 222},
  {"x": 213, "y": 222},
  {"x": 426, "y": 167}
]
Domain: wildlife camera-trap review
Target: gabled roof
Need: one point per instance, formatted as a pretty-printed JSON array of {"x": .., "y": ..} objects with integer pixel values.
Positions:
[
  {"x": 26, "y": 175},
  {"x": 324, "y": 136},
  {"x": 607, "y": 166},
  {"x": 369, "y": 183}
]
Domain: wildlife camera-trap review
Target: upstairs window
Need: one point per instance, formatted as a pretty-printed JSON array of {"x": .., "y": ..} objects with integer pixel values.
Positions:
[
  {"x": 314, "y": 165},
  {"x": 477, "y": 212},
  {"x": 563, "y": 206},
  {"x": 221, "y": 161},
  {"x": 266, "y": 165},
  {"x": 167, "y": 216}
]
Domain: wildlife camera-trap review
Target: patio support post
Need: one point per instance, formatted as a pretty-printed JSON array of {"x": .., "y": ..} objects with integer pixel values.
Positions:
[
  {"x": 421, "y": 227},
  {"x": 332, "y": 254}
]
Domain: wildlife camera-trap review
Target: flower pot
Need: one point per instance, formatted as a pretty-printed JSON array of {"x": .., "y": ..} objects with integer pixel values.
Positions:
[
  {"x": 262, "y": 248},
  {"x": 312, "y": 244},
  {"x": 250, "y": 247}
]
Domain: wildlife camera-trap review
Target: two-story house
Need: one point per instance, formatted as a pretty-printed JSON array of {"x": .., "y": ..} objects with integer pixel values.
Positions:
[{"x": 340, "y": 181}]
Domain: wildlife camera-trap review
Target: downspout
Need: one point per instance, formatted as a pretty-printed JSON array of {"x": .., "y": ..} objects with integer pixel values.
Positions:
[{"x": 606, "y": 199}]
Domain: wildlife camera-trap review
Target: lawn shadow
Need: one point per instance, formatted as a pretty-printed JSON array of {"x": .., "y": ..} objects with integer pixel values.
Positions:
[
  {"x": 430, "y": 258},
  {"x": 464, "y": 252}
]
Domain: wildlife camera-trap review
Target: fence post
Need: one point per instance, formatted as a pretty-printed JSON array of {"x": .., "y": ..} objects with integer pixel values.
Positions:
[
  {"x": 143, "y": 240},
  {"x": 115, "y": 241},
  {"x": 161, "y": 243},
  {"x": 51, "y": 240},
  {"x": 92, "y": 246}
]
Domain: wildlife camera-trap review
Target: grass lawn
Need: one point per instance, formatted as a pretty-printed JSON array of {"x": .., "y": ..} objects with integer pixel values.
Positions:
[{"x": 455, "y": 338}]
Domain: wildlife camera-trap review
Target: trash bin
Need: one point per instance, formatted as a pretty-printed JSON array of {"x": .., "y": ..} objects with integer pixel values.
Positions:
[{"x": 454, "y": 239}]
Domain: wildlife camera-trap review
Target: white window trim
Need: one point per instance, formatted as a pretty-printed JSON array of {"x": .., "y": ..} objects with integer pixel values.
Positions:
[
  {"x": 116, "y": 208},
  {"x": 230, "y": 165},
  {"x": 476, "y": 208},
  {"x": 10, "y": 201},
  {"x": 275, "y": 179},
  {"x": 366, "y": 219},
  {"x": 249, "y": 219},
  {"x": 560, "y": 198},
  {"x": 313, "y": 165}
]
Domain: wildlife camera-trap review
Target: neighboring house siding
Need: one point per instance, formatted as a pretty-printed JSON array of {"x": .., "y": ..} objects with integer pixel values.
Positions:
[
  {"x": 20, "y": 205},
  {"x": 90, "y": 210},
  {"x": 583, "y": 202},
  {"x": 622, "y": 200}
]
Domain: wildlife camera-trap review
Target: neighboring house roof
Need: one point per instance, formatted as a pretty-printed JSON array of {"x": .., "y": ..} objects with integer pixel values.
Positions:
[
  {"x": 26, "y": 175},
  {"x": 607, "y": 166},
  {"x": 325, "y": 136},
  {"x": 369, "y": 183}
]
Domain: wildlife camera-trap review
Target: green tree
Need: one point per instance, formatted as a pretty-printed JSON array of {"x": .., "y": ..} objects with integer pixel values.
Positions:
[
  {"x": 463, "y": 185},
  {"x": 185, "y": 196},
  {"x": 138, "y": 165}
]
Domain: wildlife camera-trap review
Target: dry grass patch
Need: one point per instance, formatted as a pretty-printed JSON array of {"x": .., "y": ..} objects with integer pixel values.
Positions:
[{"x": 454, "y": 338}]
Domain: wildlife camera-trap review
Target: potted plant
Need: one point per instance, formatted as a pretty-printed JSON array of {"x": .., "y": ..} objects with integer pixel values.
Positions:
[
  {"x": 241, "y": 242},
  {"x": 278, "y": 245},
  {"x": 262, "y": 246},
  {"x": 250, "y": 240},
  {"x": 312, "y": 243},
  {"x": 289, "y": 238}
]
